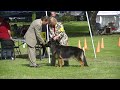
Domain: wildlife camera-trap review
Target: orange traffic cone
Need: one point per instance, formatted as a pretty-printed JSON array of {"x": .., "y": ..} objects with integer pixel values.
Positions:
[
  {"x": 79, "y": 45},
  {"x": 119, "y": 42},
  {"x": 98, "y": 47},
  {"x": 102, "y": 43},
  {"x": 85, "y": 44}
]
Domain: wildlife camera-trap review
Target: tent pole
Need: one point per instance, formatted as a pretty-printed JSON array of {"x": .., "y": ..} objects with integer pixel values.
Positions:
[
  {"x": 48, "y": 39},
  {"x": 91, "y": 34}
]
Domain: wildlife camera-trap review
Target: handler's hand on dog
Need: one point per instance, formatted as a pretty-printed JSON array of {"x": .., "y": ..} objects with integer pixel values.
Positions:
[
  {"x": 56, "y": 37},
  {"x": 42, "y": 44}
]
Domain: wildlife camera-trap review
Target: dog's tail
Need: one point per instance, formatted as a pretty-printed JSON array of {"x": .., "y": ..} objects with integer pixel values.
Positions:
[{"x": 84, "y": 59}]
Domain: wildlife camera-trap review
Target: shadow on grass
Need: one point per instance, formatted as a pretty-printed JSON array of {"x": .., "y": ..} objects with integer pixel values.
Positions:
[
  {"x": 74, "y": 65},
  {"x": 26, "y": 65},
  {"x": 25, "y": 56},
  {"x": 41, "y": 65},
  {"x": 77, "y": 34},
  {"x": 47, "y": 64}
]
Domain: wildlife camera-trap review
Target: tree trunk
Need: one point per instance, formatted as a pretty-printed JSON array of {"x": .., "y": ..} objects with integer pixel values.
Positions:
[{"x": 92, "y": 18}]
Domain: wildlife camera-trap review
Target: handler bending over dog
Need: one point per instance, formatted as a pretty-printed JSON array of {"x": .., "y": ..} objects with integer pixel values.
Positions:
[
  {"x": 33, "y": 36},
  {"x": 57, "y": 32}
]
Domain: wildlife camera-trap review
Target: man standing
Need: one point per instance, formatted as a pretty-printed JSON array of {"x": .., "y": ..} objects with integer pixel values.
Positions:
[{"x": 33, "y": 36}]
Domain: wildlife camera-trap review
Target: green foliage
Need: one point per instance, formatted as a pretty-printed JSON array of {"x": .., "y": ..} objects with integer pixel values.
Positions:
[
  {"x": 78, "y": 28},
  {"x": 33, "y": 15},
  {"x": 67, "y": 18}
]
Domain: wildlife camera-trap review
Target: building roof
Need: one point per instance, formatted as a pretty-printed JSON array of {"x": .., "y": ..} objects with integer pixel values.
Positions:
[
  {"x": 108, "y": 13},
  {"x": 22, "y": 13}
]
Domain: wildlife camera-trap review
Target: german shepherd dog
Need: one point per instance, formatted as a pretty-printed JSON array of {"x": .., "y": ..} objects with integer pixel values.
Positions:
[{"x": 64, "y": 52}]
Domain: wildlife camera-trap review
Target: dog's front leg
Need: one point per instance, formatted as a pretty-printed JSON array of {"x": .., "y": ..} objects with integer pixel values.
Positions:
[
  {"x": 60, "y": 62},
  {"x": 82, "y": 63}
]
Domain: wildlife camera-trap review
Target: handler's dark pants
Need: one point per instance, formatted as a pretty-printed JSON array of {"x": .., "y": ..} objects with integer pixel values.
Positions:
[{"x": 53, "y": 60}]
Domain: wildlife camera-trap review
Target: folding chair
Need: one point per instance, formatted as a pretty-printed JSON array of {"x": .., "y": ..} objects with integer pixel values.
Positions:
[
  {"x": 7, "y": 49},
  {"x": 17, "y": 47}
]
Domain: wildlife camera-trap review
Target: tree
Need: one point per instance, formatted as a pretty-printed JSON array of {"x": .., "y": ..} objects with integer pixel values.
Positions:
[
  {"x": 92, "y": 18},
  {"x": 33, "y": 15}
]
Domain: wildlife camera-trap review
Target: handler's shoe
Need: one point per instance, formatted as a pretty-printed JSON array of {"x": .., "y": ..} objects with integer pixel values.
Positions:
[{"x": 37, "y": 65}]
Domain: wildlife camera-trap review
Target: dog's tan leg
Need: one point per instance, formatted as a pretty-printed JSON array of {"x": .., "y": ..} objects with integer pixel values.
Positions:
[
  {"x": 82, "y": 63},
  {"x": 57, "y": 65},
  {"x": 60, "y": 62}
]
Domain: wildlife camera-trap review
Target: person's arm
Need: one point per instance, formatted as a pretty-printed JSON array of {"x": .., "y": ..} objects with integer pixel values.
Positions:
[
  {"x": 7, "y": 25},
  {"x": 38, "y": 34},
  {"x": 52, "y": 34},
  {"x": 10, "y": 34}
]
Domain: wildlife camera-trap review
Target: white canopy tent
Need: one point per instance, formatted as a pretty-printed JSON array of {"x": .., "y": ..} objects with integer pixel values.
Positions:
[
  {"x": 108, "y": 13},
  {"x": 105, "y": 17}
]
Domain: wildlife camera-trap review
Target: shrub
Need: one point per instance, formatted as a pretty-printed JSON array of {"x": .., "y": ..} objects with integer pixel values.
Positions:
[{"x": 67, "y": 18}]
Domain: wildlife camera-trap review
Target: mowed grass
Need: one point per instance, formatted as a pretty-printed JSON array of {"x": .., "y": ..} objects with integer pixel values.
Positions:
[
  {"x": 74, "y": 29},
  {"x": 105, "y": 66}
]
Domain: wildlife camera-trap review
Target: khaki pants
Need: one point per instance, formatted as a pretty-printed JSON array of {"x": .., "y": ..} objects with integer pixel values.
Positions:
[{"x": 32, "y": 55}]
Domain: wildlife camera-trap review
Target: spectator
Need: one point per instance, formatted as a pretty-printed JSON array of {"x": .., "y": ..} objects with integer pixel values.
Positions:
[
  {"x": 57, "y": 32},
  {"x": 5, "y": 32},
  {"x": 33, "y": 37},
  {"x": 53, "y": 14}
]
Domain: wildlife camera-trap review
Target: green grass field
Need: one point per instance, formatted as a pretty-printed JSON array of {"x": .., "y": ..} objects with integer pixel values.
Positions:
[{"x": 105, "y": 66}]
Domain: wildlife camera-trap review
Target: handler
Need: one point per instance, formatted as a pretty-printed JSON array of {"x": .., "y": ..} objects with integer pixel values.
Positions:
[
  {"x": 33, "y": 36},
  {"x": 57, "y": 32}
]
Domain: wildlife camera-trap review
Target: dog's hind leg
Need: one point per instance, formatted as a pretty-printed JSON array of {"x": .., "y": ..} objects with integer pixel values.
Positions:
[
  {"x": 84, "y": 59},
  {"x": 80, "y": 61},
  {"x": 60, "y": 62}
]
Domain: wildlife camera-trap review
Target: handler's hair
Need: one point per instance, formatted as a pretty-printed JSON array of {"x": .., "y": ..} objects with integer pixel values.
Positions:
[
  {"x": 45, "y": 18},
  {"x": 52, "y": 19}
]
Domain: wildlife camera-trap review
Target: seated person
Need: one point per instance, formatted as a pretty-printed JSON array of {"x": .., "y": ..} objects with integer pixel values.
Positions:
[
  {"x": 6, "y": 40},
  {"x": 5, "y": 32}
]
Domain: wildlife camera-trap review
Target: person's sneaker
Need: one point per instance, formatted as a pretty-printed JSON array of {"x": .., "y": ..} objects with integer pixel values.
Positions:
[
  {"x": 12, "y": 58},
  {"x": 42, "y": 57},
  {"x": 37, "y": 65},
  {"x": 46, "y": 56}
]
